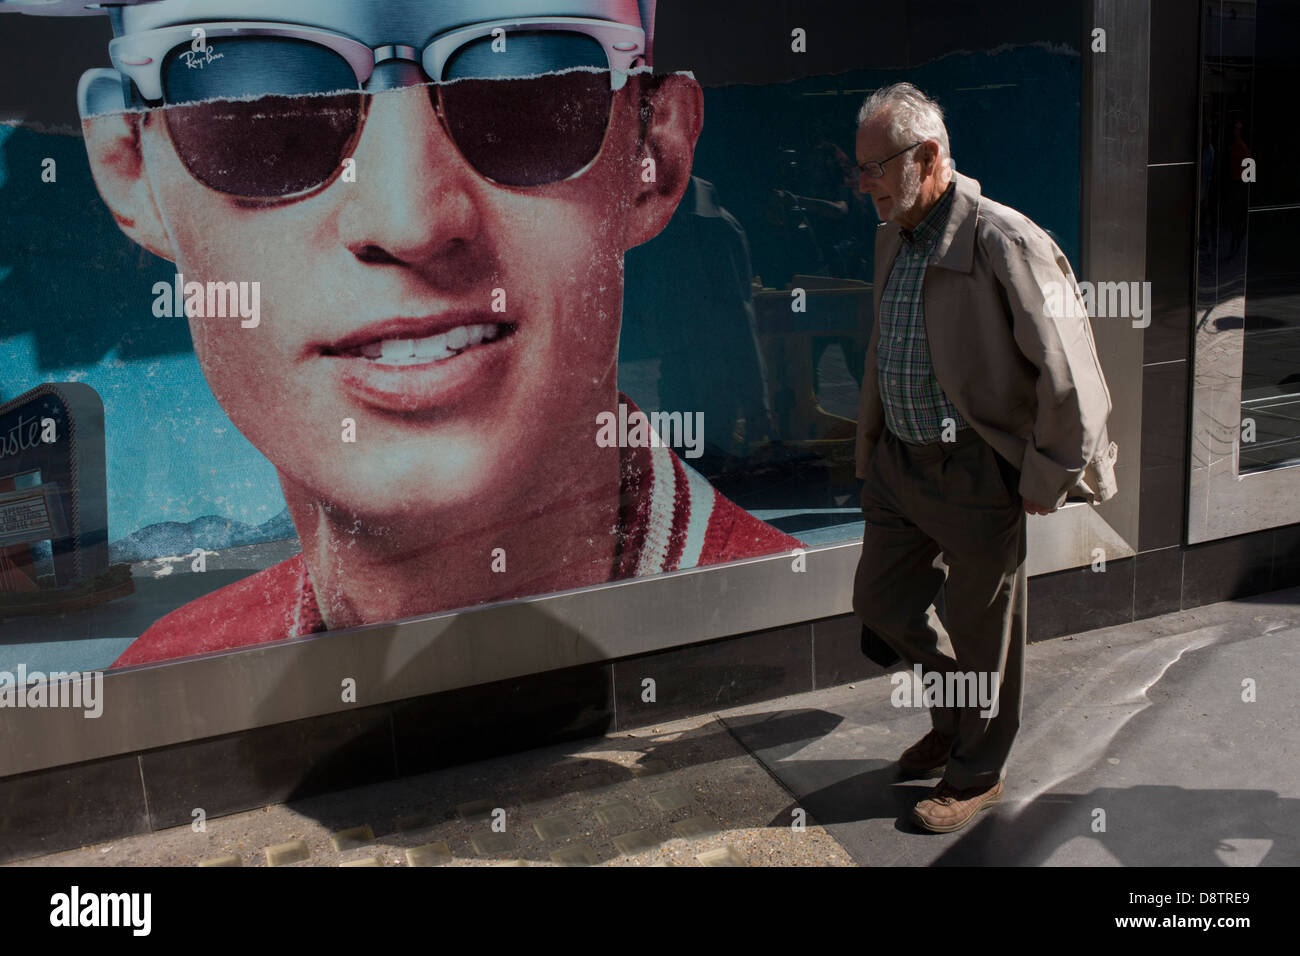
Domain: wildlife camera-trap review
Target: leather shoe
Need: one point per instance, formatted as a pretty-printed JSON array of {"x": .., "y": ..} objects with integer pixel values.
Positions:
[
  {"x": 948, "y": 809},
  {"x": 927, "y": 754}
]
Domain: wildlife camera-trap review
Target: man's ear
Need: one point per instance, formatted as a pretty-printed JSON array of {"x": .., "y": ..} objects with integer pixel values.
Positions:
[
  {"x": 930, "y": 158},
  {"x": 674, "y": 110},
  {"x": 116, "y": 161}
]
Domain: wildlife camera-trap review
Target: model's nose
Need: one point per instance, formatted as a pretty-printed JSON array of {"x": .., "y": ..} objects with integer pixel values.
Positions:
[{"x": 413, "y": 196}]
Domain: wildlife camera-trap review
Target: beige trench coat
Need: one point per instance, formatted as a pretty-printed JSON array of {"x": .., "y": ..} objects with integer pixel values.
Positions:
[{"x": 1026, "y": 379}]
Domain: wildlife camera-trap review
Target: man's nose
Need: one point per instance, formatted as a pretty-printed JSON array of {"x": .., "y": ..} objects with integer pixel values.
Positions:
[{"x": 413, "y": 196}]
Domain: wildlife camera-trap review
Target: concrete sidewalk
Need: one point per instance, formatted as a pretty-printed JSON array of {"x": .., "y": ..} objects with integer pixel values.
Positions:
[{"x": 1137, "y": 747}]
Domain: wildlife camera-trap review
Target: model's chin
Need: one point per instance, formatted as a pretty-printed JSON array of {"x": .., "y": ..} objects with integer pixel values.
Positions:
[{"x": 388, "y": 483}]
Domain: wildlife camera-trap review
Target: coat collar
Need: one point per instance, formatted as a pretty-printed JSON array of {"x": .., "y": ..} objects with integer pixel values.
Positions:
[{"x": 956, "y": 247}]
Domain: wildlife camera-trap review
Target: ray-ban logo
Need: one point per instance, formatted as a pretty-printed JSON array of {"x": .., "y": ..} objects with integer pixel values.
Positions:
[{"x": 199, "y": 54}]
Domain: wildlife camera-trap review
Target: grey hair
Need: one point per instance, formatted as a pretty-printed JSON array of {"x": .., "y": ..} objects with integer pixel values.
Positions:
[{"x": 912, "y": 116}]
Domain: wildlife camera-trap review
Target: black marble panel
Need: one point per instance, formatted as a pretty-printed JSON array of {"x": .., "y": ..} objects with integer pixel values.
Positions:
[
  {"x": 523, "y": 713},
  {"x": 1164, "y": 415},
  {"x": 708, "y": 677},
  {"x": 1175, "y": 70},
  {"x": 273, "y": 764},
  {"x": 837, "y": 652},
  {"x": 1171, "y": 258},
  {"x": 1162, "y": 509},
  {"x": 1227, "y": 569},
  {"x": 1286, "y": 558},
  {"x": 1158, "y": 584},
  {"x": 1078, "y": 600},
  {"x": 1275, "y": 138},
  {"x": 65, "y": 807}
]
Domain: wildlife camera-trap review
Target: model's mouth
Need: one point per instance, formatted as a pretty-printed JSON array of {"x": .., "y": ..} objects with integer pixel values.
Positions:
[
  {"x": 402, "y": 342},
  {"x": 421, "y": 364},
  {"x": 432, "y": 348}
]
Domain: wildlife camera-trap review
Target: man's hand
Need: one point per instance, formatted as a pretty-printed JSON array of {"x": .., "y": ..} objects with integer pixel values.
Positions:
[{"x": 1034, "y": 509}]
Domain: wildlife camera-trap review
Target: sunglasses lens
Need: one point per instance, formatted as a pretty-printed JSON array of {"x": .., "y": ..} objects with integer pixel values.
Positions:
[
  {"x": 292, "y": 138},
  {"x": 522, "y": 53},
  {"x": 527, "y": 132}
]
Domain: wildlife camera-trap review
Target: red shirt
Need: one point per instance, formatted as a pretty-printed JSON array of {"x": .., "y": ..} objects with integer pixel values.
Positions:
[{"x": 670, "y": 518}]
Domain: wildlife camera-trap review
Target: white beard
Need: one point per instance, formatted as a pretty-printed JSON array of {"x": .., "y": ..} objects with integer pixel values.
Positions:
[{"x": 909, "y": 191}]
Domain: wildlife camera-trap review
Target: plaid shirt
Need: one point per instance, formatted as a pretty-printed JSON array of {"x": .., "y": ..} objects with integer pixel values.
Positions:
[{"x": 915, "y": 406}]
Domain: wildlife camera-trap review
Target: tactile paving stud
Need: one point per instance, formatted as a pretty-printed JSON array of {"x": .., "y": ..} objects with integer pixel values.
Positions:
[
  {"x": 431, "y": 854},
  {"x": 558, "y": 827},
  {"x": 575, "y": 856},
  {"x": 630, "y": 844},
  {"x": 222, "y": 861},
  {"x": 283, "y": 854},
  {"x": 693, "y": 827},
  {"x": 727, "y": 856},
  {"x": 364, "y": 861},
  {"x": 672, "y": 798},
  {"x": 485, "y": 844},
  {"x": 475, "y": 808},
  {"x": 615, "y": 815},
  {"x": 352, "y": 838}
]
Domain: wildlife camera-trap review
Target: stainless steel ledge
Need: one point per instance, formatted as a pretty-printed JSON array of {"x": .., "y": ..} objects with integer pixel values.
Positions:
[{"x": 156, "y": 705}]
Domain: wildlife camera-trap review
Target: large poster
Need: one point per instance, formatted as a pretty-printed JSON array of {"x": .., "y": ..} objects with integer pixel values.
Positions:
[{"x": 396, "y": 309}]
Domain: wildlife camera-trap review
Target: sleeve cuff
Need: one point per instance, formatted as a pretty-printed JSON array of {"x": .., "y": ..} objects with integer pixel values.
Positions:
[{"x": 1043, "y": 481}]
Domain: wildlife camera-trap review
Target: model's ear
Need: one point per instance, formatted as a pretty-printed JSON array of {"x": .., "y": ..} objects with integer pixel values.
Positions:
[
  {"x": 113, "y": 145},
  {"x": 674, "y": 109}
]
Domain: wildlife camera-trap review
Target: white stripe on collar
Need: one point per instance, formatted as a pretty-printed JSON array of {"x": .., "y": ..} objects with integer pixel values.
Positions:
[{"x": 701, "y": 502}]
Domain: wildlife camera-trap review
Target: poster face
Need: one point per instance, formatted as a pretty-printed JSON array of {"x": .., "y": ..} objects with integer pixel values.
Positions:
[{"x": 394, "y": 313}]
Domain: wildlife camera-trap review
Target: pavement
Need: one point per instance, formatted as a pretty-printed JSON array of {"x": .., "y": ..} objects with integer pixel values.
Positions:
[{"x": 1171, "y": 741}]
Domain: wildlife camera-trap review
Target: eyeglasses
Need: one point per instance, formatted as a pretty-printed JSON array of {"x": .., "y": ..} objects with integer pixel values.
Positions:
[
  {"x": 270, "y": 111},
  {"x": 875, "y": 170}
]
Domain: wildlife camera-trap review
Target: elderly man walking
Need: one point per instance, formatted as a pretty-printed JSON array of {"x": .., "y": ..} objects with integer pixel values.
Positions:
[{"x": 983, "y": 400}]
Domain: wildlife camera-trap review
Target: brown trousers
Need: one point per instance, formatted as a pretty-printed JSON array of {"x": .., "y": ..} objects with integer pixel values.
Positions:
[{"x": 950, "y": 511}]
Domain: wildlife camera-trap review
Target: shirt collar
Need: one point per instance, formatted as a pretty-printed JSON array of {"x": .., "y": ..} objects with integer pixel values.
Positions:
[{"x": 927, "y": 232}]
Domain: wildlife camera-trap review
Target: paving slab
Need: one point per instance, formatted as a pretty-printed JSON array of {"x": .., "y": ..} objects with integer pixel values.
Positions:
[
  {"x": 663, "y": 795},
  {"x": 1141, "y": 745}
]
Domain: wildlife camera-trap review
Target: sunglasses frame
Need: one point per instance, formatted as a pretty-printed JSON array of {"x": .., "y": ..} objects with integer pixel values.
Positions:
[{"x": 139, "y": 58}]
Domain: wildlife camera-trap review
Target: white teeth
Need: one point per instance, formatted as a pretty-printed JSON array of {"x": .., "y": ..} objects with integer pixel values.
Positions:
[
  {"x": 391, "y": 350},
  {"x": 431, "y": 349}
]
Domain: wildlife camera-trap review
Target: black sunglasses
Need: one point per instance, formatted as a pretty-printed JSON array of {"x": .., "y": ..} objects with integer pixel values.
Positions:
[{"x": 271, "y": 111}]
